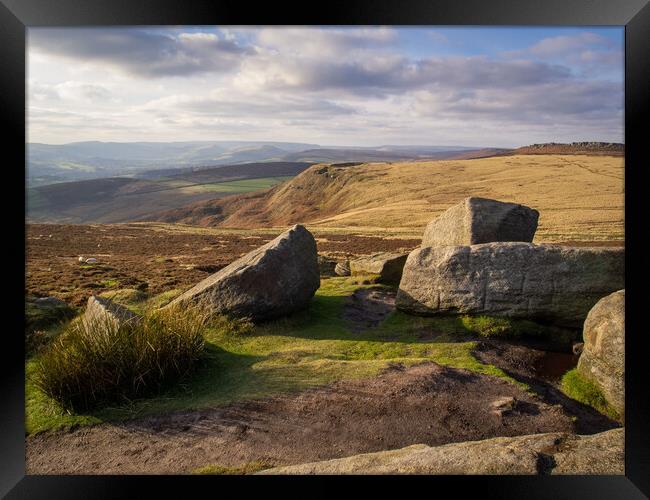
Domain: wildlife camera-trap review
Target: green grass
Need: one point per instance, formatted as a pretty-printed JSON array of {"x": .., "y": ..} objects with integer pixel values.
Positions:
[
  {"x": 241, "y": 186},
  {"x": 580, "y": 388},
  {"x": 310, "y": 348}
]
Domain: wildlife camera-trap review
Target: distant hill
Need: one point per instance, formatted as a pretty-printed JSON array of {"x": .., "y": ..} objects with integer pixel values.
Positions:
[
  {"x": 122, "y": 199},
  {"x": 48, "y": 164},
  {"x": 574, "y": 148},
  {"x": 402, "y": 197}
]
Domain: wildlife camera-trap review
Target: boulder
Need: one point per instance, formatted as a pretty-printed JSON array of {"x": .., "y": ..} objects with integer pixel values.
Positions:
[
  {"x": 342, "y": 268},
  {"x": 388, "y": 266},
  {"x": 550, "y": 453},
  {"x": 603, "y": 357},
  {"x": 42, "y": 312},
  {"x": 481, "y": 220},
  {"x": 272, "y": 281},
  {"x": 519, "y": 280},
  {"x": 326, "y": 266},
  {"x": 100, "y": 310}
]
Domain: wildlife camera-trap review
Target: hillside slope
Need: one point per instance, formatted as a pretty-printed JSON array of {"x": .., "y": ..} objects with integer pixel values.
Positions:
[{"x": 579, "y": 197}]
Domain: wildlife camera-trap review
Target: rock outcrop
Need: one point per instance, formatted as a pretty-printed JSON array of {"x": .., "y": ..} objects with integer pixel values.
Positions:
[
  {"x": 481, "y": 220},
  {"x": 387, "y": 265},
  {"x": 272, "y": 281},
  {"x": 519, "y": 280},
  {"x": 326, "y": 266},
  {"x": 100, "y": 310},
  {"x": 603, "y": 356},
  {"x": 551, "y": 453}
]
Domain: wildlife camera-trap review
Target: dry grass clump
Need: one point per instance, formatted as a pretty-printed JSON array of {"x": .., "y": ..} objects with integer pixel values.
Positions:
[{"x": 99, "y": 361}]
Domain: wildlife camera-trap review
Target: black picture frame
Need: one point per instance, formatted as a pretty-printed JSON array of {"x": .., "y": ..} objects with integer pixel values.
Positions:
[{"x": 16, "y": 15}]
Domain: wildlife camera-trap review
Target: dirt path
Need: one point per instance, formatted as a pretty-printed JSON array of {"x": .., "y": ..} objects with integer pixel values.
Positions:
[{"x": 426, "y": 404}]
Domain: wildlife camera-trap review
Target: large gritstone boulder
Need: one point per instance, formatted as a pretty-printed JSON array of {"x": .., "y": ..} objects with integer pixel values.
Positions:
[
  {"x": 551, "y": 453},
  {"x": 272, "y": 281},
  {"x": 518, "y": 280},
  {"x": 102, "y": 311},
  {"x": 480, "y": 220},
  {"x": 603, "y": 355},
  {"x": 388, "y": 266}
]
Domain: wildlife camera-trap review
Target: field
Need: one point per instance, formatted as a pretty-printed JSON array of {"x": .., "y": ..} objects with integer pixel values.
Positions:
[
  {"x": 348, "y": 375},
  {"x": 579, "y": 197},
  {"x": 123, "y": 199}
]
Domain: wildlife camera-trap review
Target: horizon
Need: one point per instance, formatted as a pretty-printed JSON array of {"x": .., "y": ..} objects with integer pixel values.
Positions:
[{"x": 330, "y": 86}]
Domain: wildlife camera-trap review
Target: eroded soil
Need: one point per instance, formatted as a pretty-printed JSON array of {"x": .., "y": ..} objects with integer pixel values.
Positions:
[
  {"x": 368, "y": 307},
  {"x": 427, "y": 404}
]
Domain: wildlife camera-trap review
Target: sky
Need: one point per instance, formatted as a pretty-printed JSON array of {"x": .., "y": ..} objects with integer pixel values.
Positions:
[{"x": 347, "y": 86}]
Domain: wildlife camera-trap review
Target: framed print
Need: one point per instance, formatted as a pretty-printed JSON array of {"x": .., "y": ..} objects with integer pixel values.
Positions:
[{"x": 390, "y": 241}]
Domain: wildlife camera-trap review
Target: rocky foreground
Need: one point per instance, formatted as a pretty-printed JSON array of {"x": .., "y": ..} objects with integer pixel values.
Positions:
[{"x": 551, "y": 453}]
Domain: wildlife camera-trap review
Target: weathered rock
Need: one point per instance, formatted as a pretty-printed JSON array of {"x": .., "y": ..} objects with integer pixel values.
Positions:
[
  {"x": 100, "y": 310},
  {"x": 519, "y": 280},
  {"x": 603, "y": 355},
  {"x": 326, "y": 266},
  {"x": 274, "y": 280},
  {"x": 342, "y": 268},
  {"x": 481, "y": 220},
  {"x": 387, "y": 265},
  {"x": 42, "y": 312},
  {"x": 551, "y": 453}
]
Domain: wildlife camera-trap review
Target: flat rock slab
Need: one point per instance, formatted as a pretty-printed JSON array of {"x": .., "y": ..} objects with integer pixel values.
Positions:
[
  {"x": 550, "y": 453},
  {"x": 481, "y": 220},
  {"x": 273, "y": 280},
  {"x": 603, "y": 356},
  {"x": 99, "y": 310},
  {"x": 387, "y": 265},
  {"x": 518, "y": 280}
]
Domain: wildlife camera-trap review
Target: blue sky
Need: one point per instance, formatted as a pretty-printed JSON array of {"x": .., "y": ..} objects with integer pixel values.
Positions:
[{"x": 475, "y": 86}]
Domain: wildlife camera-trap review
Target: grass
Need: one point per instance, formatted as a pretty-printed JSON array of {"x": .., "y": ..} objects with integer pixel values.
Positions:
[
  {"x": 580, "y": 388},
  {"x": 98, "y": 361},
  {"x": 246, "y": 468},
  {"x": 309, "y": 348},
  {"x": 241, "y": 186}
]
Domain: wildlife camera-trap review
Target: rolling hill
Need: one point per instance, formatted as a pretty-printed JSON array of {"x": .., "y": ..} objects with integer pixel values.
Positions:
[
  {"x": 580, "y": 197},
  {"x": 122, "y": 199},
  {"x": 52, "y": 163}
]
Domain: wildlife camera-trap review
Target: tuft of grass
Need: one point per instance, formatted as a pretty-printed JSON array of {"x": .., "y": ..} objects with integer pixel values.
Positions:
[
  {"x": 110, "y": 283},
  {"x": 580, "y": 388},
  {"x": 246, "y": 468},
  {"x": 95, "y": 362}
]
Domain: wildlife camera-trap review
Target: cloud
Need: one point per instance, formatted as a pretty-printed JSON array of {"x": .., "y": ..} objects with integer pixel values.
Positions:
[
  {"x": 139, "y": 52},
  {"x": 234, "y": 104},
  {"x": 563, "y": 44},
  {"x": 70, "y": 90},
  {"x": 384, "y": 75},
  {"x": 344, "y": 85}
]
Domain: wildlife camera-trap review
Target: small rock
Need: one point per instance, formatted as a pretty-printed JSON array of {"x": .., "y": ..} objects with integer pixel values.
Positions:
[
  {"x": 503, "y": 405},
  {"x": 343, "y": 268}
]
